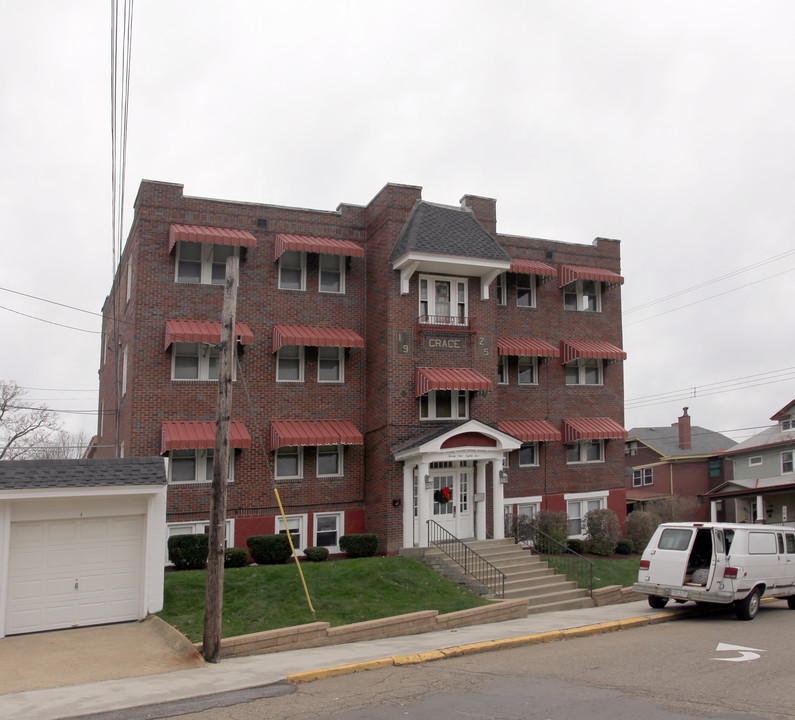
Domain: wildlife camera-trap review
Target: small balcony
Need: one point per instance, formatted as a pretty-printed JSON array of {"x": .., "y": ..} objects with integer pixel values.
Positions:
[{"x": 446, "y": 323}]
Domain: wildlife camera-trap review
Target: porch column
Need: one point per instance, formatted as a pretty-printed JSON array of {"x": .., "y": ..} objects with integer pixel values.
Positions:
[
  {"x": 480, "y": 506},
  {"x": 408, "y": 504},
  {"x": 759, "y": 511},
  {"x": 497, "y": 511},
  {"x": 713, "y": 511},
  {"x": 423, "y": 504}
]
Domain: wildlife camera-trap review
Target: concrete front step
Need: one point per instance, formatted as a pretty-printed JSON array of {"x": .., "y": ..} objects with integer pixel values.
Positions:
[
  {"x": 537, "y": 585},
  {"x": 555, "y": 606}
]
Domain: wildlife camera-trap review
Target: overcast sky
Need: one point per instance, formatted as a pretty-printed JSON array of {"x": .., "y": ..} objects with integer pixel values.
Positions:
[{"x": 668, "y": 126}]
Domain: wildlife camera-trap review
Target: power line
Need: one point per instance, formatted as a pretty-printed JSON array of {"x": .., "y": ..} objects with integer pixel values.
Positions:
[
  {"x": 52, "y": 302},
  {"x": 50, "y": 322}
]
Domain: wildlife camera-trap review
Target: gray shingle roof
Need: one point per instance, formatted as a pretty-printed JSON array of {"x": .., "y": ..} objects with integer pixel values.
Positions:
[
  {"x": 446, "y": 230},
  {"x": 769, "y": 436},
  {"x": 29, "y": 474},
  {"x": 666, "y": 440}
]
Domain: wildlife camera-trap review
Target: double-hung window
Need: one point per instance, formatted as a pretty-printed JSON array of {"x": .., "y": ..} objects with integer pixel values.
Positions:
[
  {"x": 194, "y": 361},
  {"x": 585, "y": 451},
  {"x": 502, "y": 370},
  {"x": 332, "y": 273},
  {"x": 330, "y": 364},
  {"x": 525, "y": 290},
  {"x": 786, "y": 462},
  {"x": 502, "y": 289},
  {"x": 328, "y": 529},
  {"x": 444, "y": 405},
  {"x": 528, "y": 454},
  {"x": 576, "y": 511},
  {"x": 329, "y": 460},
  {"x": 583, "y": 295},
  {"x": 644, "y": 476},
  {"x": 296, "y": 525},
  {"x": 584, "y": 371},
  {"x": 528, "y": 370},
  {"x": 202, "y": 263},
  {"x": 290, "y": 363},
  {"x": 292, "y": 270},
  {"x": 289, "y": 462},
  {"x": 192, "y": 466},
  {"x": 443, "y": 301}
]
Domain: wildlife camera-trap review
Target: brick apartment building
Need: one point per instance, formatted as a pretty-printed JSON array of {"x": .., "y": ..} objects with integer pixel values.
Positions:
[{"x": 386, "y": 353}]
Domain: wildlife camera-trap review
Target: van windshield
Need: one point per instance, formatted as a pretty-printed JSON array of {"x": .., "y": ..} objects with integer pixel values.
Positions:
[{"x": 675, "y": 539}]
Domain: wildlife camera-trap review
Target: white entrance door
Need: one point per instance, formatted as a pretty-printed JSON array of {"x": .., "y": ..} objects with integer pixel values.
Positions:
[
  {"x": 455, "y": 516},
  {"x": 67, "y": 573}
]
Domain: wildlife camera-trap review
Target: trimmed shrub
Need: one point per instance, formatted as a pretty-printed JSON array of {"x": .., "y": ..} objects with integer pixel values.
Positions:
[
  {"x": 625, "y": 547},
  {"x": 359, "y": 545},
  {"x": 555, "y": 524},
  {"x": 189, "y": 552},
  {"x": 269, "y": 549},
  {"x": 640, "y": 527},
  {"x": 316, "y": 554},
  {"x": 576, "y": 545},
  {"x": 235, "y": 557},
  {"x": 602, "y": 531}
]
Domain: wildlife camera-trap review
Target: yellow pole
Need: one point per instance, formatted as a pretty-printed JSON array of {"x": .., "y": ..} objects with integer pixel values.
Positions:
[{"x": 292, "y": 547}]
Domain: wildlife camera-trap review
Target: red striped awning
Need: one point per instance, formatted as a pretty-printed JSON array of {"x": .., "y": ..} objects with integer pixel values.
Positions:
[
  {"x": 315, "y": 336},
  {"x": 205, "y": 234},
  {"x": 317, "y": 432},
  {"x": 598, "y": 428},
  {"x": 195, "y": 435},
  {"x": 532, "y": 267},
  {"x": 327, "y": 246},
  {"x": 573, "y": 349},
  {"x": 196, "y": 331},
  {"x": 530, "y": 430},
  {"x": 526, "y": 347},
  {"x": 570, "y": 273},
  {"x": 427, "y": 379}
]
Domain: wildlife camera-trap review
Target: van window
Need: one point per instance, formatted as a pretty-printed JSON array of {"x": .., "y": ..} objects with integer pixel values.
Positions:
[
  {"x": 780, "y": 543},
  {"x": 760, "y": 543},
  {"x": 675, "y": 539},
  {"x": 790, "y": 544},
  {"x": 729, "y": 538},
  {"x": 719, "y": 547}
]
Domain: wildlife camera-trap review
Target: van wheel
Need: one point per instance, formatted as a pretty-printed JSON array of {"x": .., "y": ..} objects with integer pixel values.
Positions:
[
  {"x": 791, "y": 602},
  {"x": 657, "y": 602},
  {"x": 748, "y": 607}
]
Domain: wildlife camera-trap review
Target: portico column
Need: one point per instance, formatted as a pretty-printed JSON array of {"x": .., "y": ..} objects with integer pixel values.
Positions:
[
  {"x": 423, "y": 505},
  {"x": 408, "y": 504},
  {"x": 713, "y": 511},
  {"x": 497, "y": 511},
  {"x": 760, "y": 509},
  {"x": 480, "y": 506}
]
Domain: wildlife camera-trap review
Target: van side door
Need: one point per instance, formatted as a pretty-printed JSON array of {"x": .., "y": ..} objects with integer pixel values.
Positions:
[
  {"x": 718, "y": 563},
  {"x": 668, "y": 558}
]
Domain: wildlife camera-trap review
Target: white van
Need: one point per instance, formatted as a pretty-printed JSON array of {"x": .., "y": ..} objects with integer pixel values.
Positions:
[{"x": 719, "y": 563}]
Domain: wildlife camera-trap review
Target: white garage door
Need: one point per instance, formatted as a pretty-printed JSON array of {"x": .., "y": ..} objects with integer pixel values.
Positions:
[{"x": 68, "y": 573}]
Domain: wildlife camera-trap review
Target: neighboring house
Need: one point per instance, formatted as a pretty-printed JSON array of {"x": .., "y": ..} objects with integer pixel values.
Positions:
[
  {"x": 386, "y": 352},
  {"x": 674, "y": 465},
  {"x": 81, "y": 542},
  {"x": 763, "y": 485}
]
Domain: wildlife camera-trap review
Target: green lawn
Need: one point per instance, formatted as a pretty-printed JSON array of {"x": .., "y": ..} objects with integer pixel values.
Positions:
[
  {"x": 342, "y": 592},
  {"x": 612, "y": 570}
]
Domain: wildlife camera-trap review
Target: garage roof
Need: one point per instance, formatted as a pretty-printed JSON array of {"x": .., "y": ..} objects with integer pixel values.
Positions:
[{"x": 24, "y": 474}]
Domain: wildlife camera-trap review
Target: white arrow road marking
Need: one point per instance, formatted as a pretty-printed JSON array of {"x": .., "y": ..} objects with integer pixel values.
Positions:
[{"x": 746, "y": 653}]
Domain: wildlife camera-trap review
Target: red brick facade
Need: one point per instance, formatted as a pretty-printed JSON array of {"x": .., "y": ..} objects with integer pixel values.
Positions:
[{"x": 378, "y": 393}]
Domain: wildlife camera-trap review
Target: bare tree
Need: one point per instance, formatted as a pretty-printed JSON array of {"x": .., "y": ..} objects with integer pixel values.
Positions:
[
  {"x": 62, "y": 445},
  {"x": 23, "y": 428}
]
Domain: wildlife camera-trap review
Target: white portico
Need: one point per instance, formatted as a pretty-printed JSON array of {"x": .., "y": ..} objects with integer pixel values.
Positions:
[{"x": 454, "y": 462}]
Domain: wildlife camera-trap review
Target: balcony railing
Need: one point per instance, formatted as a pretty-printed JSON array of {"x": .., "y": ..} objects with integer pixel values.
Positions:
[{"x": 449, "y": 323}]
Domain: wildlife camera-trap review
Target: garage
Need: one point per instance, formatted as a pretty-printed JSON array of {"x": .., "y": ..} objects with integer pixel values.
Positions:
[{"x": 80, "y": 542}]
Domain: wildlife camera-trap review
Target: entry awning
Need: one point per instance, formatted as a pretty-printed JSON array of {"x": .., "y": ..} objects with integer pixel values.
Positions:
[
  {"x": 195, "y": 435},
  {"x": 596, "y": 428},
  {"x": 530, "y": 430},
  {"x": 532, "y": 267},
  {"x": 318, "y": 432},
  {"x": 526, "y": 347},
  {"x": 573, "y": 349},
  {"x": 427, "y": 379},
  {"x": 196, "y": 331},
  {"x": 206, "y": 234},
  {"x": 315, "y": 336},
  {"x": 570, "y": 273},
  {"x": 305, "y": 243}
]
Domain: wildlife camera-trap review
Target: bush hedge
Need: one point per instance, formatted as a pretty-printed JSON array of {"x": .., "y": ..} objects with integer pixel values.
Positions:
[
  {"x": 359, "y": 545},
  {"x": 316, "y": 553},
  {"x": 576, "y": 545},
  {"x": 555, "y": 524},
  {"x": 269, "y": 549},
  {"x": 640, "y": 527},
  {"x": 235, "y": 557},
  {"x": 602, "y": 531},
  {"x": 188, "y": 552},
  {"x": 625, "y": 547}
]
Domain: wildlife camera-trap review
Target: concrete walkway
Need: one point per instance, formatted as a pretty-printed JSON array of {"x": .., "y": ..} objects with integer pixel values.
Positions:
[{"x": 298, "y": 666}]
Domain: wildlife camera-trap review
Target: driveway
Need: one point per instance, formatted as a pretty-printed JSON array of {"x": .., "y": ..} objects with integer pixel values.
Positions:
[{"x": 92, "y": 654}]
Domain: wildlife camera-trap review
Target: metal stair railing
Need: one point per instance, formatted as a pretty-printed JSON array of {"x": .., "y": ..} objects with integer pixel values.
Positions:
[{"x": 473, "y": 564}]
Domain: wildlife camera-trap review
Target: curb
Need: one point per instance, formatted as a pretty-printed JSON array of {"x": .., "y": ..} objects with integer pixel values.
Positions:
[{"x": 486, "y": 646}]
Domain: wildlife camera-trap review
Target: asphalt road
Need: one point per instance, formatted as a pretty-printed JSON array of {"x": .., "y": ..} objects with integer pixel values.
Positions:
[{"x": 711, "y": 666}]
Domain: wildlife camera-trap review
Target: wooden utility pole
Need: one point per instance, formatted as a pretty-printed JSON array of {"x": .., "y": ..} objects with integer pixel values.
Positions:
[{"x": 214, "y": 597}]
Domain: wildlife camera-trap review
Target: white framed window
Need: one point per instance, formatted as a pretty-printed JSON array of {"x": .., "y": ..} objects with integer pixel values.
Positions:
[
  {"x": 296, "y": 524},
  {"x": 443, "y": 301},
  {"x": 290, "y": 363},
  {"x": 576, "y": 510},
  {"x": 292, "y": 270},
  {"x": 124, "y": 370},
  {"x": 289, "y": 462},
  {"x": 331, "y": 271},
  {"x": 200, "y": 527},
  {"x": 502, "y": 370},
  {"x": 644, "y": 476},
  {"x": 528, "y": 455},
  {"x": 202, "y": 263},
  {"x": 330, "y": 364},
  {"x": 329, "y": 460},
  {"x": 327, "y": 530},
  {"x": 755, "y": 460},
  {"x": 527, "y": 373},
  {"x": 195, "y": 466},
  {"x": 787, "y": 425},
  {"x": 444, "y": 405},
  {"x": 506, "y": 460},
  {"x": 121, "y": 450},
  {"x": 584, "y": 371},
  {"x": 631, "y": 448},
  {"x": 585, "y": 451},
  {"x": 786, "y": 462},
  {"x": 195, "y": 361},
  {"x": 129, "y": 279},
  {"x": 525, "y": 290},
  {"x": 583, "y": 295},
  {"x": 502, "y": 289}
]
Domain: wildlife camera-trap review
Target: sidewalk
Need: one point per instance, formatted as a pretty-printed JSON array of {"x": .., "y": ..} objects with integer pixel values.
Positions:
[{"x": 297, "y": 666}]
